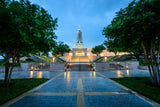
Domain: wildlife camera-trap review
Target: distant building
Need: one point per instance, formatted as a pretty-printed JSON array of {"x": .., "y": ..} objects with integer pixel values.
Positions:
[{"x": 79, "y": 49}]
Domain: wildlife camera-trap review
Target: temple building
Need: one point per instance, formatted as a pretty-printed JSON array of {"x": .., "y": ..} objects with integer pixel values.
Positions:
[{"x": 79, "y": 50}]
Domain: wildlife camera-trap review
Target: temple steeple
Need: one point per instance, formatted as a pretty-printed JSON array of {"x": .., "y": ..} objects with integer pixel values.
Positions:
[{"x": 79, "y": 43}]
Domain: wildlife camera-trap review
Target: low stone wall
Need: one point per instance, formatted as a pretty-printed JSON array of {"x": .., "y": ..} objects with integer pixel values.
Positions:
[
  {"x": 15, "y": 69},
  {"x": 104, "y": 66},
  {"x": 35, "y": 66},
  {"x": 101, "y": 66},
  {"x": 57, "y": 66},
  {"x": 143, "y": 67},
  {"x": 130, "y": 65}
]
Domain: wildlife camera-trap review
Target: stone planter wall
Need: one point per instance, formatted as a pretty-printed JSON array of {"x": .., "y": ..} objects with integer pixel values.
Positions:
[
  {"x": 57, "y": 66},
  {"x": 104, "y": 66},
  {"x": 130, "y": 65},
  {"x": 35, "y": 66},
  {"x": 2, "y": 70}
]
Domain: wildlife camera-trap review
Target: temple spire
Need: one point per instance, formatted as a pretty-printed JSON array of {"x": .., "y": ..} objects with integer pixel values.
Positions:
[{"x": 79, "y": 43}]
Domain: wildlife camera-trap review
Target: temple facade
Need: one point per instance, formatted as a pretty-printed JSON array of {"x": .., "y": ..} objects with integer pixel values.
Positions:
[{"x": 79, "y": 50}]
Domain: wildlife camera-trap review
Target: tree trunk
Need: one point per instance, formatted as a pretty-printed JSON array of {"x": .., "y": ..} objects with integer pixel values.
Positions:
[
  {"x": 18, "y": 58},
  {"x": 146, "y": 60},
  {"x": 7, "y": 56},
  {"x": 13, "y": 62},
  {"x": 137, "y": 56},
  {"x": 6, "y": 70},
  {"x": 62, "y": 54},
  {"x": 152, "y": 65},
  {"x": 115, "y": 53}
]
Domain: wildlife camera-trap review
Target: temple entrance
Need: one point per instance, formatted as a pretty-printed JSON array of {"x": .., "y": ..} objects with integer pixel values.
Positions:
[{"x": 79, "y": 53}]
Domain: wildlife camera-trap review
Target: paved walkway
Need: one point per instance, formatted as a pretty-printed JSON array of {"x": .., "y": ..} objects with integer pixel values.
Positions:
[{"x": 80, "y": 89}]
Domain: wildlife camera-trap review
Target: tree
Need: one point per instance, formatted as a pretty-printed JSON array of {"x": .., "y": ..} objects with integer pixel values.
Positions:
[
  {"x": 24, "y": 28},
  {"x": 97, "y": 49},
  {"x": 61, "y": 48},
  {"x": 112, "y": 46},
  {"x": 136, "y": 29}
]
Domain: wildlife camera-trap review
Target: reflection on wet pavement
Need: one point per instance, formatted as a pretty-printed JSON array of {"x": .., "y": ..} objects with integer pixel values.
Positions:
[
  {"x": 71, "y": 74},
  {"x": 71, "y": 89}
]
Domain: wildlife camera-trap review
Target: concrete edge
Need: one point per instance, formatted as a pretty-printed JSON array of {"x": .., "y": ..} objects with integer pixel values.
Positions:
[{"x": 133, "y": 92}]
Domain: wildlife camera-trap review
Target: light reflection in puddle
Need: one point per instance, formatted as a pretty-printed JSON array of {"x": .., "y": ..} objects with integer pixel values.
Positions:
[
  {"x": 127, "y": 72},
  {"x": 119, "y": 74},
  {"x": 39, "y": 75},
  {"x": 90, "y": 74},
  {"x": 64, "y": 75},
  {"x": 94, "y": 74},
  {"x": 31, "y": 74},
  {"x": 68, "y": 76}
]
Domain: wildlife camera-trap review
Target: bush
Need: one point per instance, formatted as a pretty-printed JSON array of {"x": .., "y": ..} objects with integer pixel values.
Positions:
[{"x": 2, "y": 62}]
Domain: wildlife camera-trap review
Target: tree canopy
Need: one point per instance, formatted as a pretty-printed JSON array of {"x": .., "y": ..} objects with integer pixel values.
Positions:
[
  {"x": 24, "y": 28},
  {"x": 60, "y": 48},
  {"x": 135, "y": 29},
  {"x": 97, "y": 49}
]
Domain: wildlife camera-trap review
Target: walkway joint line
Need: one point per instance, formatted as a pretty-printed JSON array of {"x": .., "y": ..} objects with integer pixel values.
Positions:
[
  {"x": 132, "y": 92},
  {"x": 80, "y": 94}
]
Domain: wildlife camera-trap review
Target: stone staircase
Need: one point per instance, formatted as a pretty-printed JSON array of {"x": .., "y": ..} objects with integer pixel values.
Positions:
[{"x": 80, "y": 67}]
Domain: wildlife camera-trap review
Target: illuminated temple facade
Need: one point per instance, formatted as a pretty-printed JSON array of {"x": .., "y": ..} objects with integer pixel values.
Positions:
[{"x": 79, "y": 49}]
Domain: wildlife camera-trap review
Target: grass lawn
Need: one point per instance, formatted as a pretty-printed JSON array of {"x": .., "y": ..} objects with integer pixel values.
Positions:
[
  {"x": 2, "y": 66},
  {"x": 48, "y": 60},
  {"x": 98, "y": 59},
  {"x": 141, "y": 85},
  {"x": 18, "y": 87},
  {"x": 61, "y": 60}
]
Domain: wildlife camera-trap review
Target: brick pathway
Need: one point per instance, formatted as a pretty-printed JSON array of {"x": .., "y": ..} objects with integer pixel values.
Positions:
[{"x": 80, "y": 89}]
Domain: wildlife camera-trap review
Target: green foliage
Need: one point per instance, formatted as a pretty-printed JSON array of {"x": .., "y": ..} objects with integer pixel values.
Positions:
[
  {"x": 135, "y": 29},
  {"x": 97, "y": 49},
  {"x": 60, "y": 48},
  {"x": 111, "y": 60},
  {"x": 2, "y": 64},
  {"x": 48, "y": 60},
  {"x": 60, "y": 59},
  {"x": 18, "y": 87},
  {"x": 28, "y": 61},
  {"x": 112, "y": 46},
  {"x": 24, "y": 28},
  {"x": 98, "y": 59},
  {"x": 143, "y": 63},
  {"x": 142, "y": 85}
]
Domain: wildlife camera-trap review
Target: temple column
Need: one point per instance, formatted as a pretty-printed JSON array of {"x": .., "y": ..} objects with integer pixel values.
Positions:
[{"x": 85, "y": 51}]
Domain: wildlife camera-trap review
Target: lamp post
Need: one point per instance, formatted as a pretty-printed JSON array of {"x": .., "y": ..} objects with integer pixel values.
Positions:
[
  {"x": 105, "y": 59},
  {"x": 53, "y": 59}
]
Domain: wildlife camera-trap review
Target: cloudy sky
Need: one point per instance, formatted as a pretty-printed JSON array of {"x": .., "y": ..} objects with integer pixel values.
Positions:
[{"x": 91, "y": 15}]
